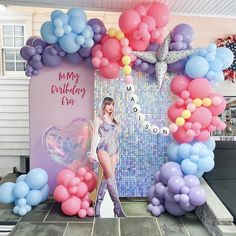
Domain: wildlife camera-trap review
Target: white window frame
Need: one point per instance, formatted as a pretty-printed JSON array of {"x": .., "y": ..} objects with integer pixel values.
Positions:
[{"x": 15, "y": 19}]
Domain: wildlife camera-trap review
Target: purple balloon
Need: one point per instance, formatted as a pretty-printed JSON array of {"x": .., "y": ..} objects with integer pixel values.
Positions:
[
  {"x": 197, "y": 196},
  {"x": 96, "y": 28},
  {"x": 31, "y": 39},
  {"x": 177, "y": 66},
  {"x": 156, "y": 211},
  {"x": 85, "y": 52},
  {"x": 61, "y": 53},
  {"x": 36, "y": 65},
  {"x": 153, "y": 47},
  {"x": 178, "y": 45},
  {"x": 150, "y": 69},
  {"x": 178, "y": 38},
  {"x": 49, "y": 59},
  {"x": 157, "y": 177},
  {"x": 95, "y": 21},
  {"x": 39, "y": 49},
  {"x": 28, "y": 74},
  {"x": 88, "y": 61},
  {"x": 191, "y": 181},
  {"x": 36, "y": 58},
  {"x": 168, "y": 170},
  {"x": 144, "y": 66},
  {"x": 155, "y": 201},
  {"x": 175, "y": 183},
  {"x": 29, "y": 68},
  {"x": 103, "y": 30},
  {"x": 185, "y": 190},
  {"x": 149, "y": 208},
  {"x": 159, "y": 189},
  {"x": 53, "y": 51},
  {"x": 151, "y": 193},
  {"x": 174, "y": 209},
  {"x": 162, "y": 207},
  {"x": 184, "y": 199},
  {"x": 185, "y": 30},
  {"x": 74, "y": 58},
  {"x": 168, "y": 195},
  {"x": 97, "y": 37},
  {"x": 27, "y": 52},
  {"x": 137, "y": 68},
  {"x": 35, "y": 72},
  {"x": 39, "y": 42},
  {"x": 138, "y": 62},
  {"x": 187, "y": 207}
]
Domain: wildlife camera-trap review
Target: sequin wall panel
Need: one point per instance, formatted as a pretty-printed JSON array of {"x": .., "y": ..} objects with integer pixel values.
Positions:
[{"x": 141, "y": 153}]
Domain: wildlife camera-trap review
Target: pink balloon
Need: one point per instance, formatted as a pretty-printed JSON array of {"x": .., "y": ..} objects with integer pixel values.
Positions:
[
  {"x": 179, "y": 102},
  {"x": 124, "y": 42},
  {"x": 105, "y": 38},
  {"x": 174, "y": 112},
  {"x": 85, "y": 204},
  {"x": 90, "y": 211},
  {"x": 73, "y": 190},
  {"x": 199, "y": 88},
  {"x": 173, "y": 127},
  {"x": 129, "y": 21},
  {"x": 201, "y": 115},
  {"x": 96, "y": 61},
  {"x": 179, "y": 84},
  {"x": 71, "y": 206},
  {"x": 188, "y": 125},
  {"x": 111, "y": 71},
  {"x": 217, "y": 109},
  {"x": 138, "y": 45},
  {"x": 222, "y": 126},
  {"x": 96, "y": 48},
  {"x": 92, "y": 183},
  {"x": 160, "y": 13},
  {"x": 104, "y": 62},
  {"x": 112, "y": 50},
  {"x": 88, "y": 176},
  {"x": 141, "y": 9},
  {"x": 81, "y": 172},
  {"x": 203, "y": 136},
  {"x": 216, "y": 120},
  {"x": 60, "y": 193},
  {"x": 82, "y": 213},
  {"x": 65, "y": 175},
  {"x": 181, "y": 137},
  {"x": 98, "y": 53},
  {"x": 126, "y": 50},
  {"x": 129, "y": 79},
  {"x": 211, "y": 128},
  {"x": 150, "y": 21},
  {"x": 185, "y": 94},
  {"x": 82, "y": 190},
  {"x": 74, "y": 181}
]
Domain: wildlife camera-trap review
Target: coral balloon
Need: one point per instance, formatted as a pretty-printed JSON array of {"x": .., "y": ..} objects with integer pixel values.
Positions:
[
  {"x": 60, "y": 193},
  {"x": 201, "y": 115},
  {"x": 174, "y": 112},
  {"x": 160, "y": 13},
  {"x": 82, "y": 189},
  {"x": 138, "y": 45},
  {"x": 203, "y": 136},
  {"x": 141, "y": 9},
  {"x": 199, "y": 88},
  {"x": 181, "y": 136},
  {"x": 129, "y": 21},
  {"x": 71, "y": 206},
  {"x": 179, "y": 84},
  {"x": 217, "y": 109},
  {"x": 64, "y": 176},
  {"x": 112, "y": 50},
  {"x": 111, "y": 71},
  {"x": 150, "y": 21}
]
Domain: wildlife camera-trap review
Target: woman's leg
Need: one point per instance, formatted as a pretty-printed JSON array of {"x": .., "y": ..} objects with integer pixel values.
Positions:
[
  {"x": 104, "y": 160},
  {"x": 114, "y": 161}
]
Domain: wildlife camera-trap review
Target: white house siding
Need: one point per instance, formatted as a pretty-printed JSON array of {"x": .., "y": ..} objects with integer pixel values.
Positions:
[{"x": 14, "y": 122}]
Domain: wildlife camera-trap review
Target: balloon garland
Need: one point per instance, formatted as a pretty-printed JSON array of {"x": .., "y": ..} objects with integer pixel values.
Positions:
[{"x": 140, "y": 45}]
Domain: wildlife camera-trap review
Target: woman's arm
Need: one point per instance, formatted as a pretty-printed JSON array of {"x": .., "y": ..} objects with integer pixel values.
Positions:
[{"x": 95, "y": 139}]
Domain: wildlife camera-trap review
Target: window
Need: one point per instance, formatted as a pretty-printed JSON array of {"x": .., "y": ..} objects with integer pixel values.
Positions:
[{"x": 12, "y": 41}]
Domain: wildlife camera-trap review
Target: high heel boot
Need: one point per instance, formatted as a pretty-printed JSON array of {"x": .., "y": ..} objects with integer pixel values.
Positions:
[
  {"x": 113, "y": 192},
  {"x": 100, "y": 196}
]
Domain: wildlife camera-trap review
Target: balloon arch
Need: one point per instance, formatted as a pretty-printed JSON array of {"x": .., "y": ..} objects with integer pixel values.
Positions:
[{"x": 139, "y": 45}]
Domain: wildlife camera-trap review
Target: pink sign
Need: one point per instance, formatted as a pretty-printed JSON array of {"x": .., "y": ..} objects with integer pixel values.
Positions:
[{"x": 58, "y": 96}]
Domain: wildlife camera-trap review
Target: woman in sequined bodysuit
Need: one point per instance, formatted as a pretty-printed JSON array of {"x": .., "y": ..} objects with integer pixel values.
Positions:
[{"x": 105, "y": 150}]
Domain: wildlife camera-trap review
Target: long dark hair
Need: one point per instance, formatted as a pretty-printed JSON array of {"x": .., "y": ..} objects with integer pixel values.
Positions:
[{"x": 108, "y": 101}]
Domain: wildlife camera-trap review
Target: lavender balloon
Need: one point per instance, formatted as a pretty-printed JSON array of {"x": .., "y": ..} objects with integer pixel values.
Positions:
[
  {"x": 175, "y": 183},
  {"x": 74, "y": 58},
  {"x": 49, "y": 59},
  {"x": 185, "y": 30},
  {"x": 174, "y": 209},
  {"x": 197, "y": 196}
]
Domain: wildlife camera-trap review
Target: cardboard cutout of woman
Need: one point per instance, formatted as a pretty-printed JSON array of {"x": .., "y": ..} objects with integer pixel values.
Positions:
[{"x": 105, "y": 150}]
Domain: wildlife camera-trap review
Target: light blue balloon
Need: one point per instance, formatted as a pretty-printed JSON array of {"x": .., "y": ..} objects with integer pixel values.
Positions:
[
  {"x": 21, "y": 202},
  {"x": 68, "y": 43},
  {"x": 195, "y": 150},
  {"x": 59, "y": 32},
  {"x": 197, "y": 67},
  {"x": 55, "y": 14},
  {"x": 211, "y": 75},
  {"x": 21, "y": 178},
  {"x": 172, "y": 152},
  {"x": 6, "y": 193},
  {"x": 47, "y": 32},
  {"x": 80, "y": 40},
  {"x": 206, "y": 164},
  {"x": 210, "y": 57},
  {"x": 202, "y": 52},
  {"x": 88, "y": 32},
  {"x": 88, "y": 43},
  {"x": 45, "y": 192},
  {"x": 226, "y": 56},
  {"x": 64, "y": 17},
  {"x": 28, "y": 208},
  {"x": 184, "y": 150},
  {"x": 189, "y": 167},
  {"x": 216, "y": 65},
  {"x": 21, "y": 189},
  {"x": 194, "y": 158},
  {"x": 22, "y": 211},
  {"x": 37, "y": 178},
  {"x": 16, "y": 209},
  {"x": 212, "y": 47},
  {"x": 77, "y": 24},
  {"x": 211, "y": 144},
  {"x": 211, "y": 154},
  {"x": 77, "y": 12},
  {"x": 58, "y": 23},
  {"x": 199, "y": 173},
  {"x": 219, "y": 76},
  {"x": 67, "y": 29},
  {"x": 34, "y": 197},
  {"x": 203, "y": 152}
]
